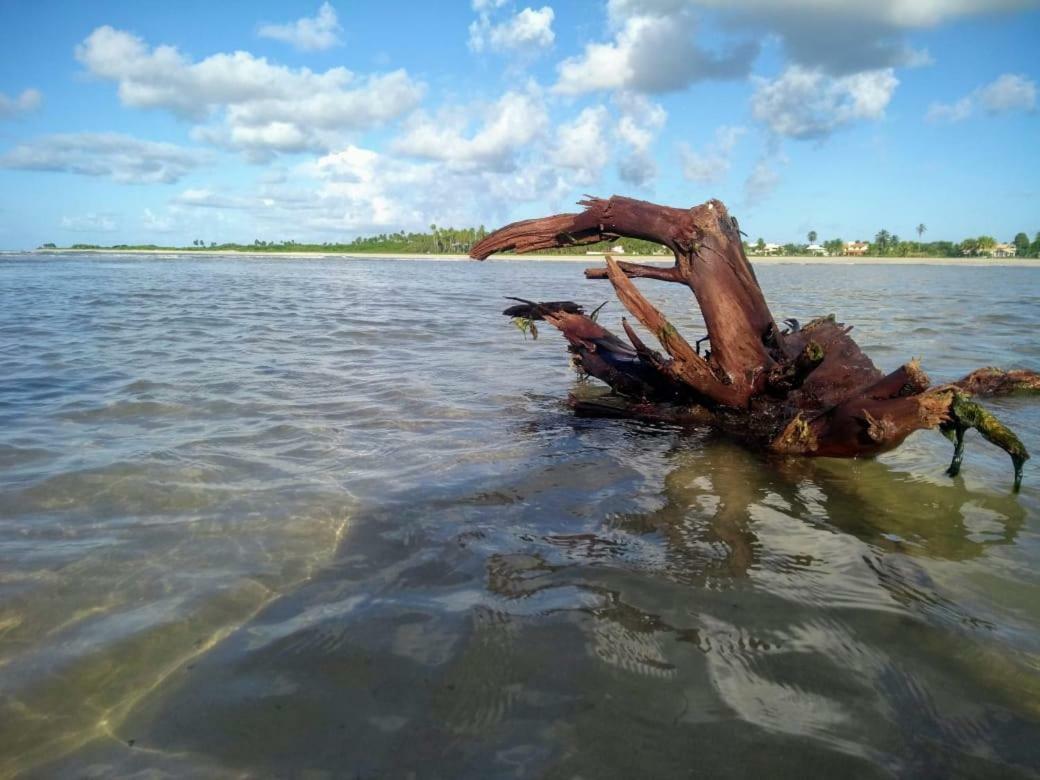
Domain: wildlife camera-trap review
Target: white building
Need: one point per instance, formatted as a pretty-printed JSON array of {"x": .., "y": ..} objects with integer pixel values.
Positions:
[{"x": 766, "y": 249}]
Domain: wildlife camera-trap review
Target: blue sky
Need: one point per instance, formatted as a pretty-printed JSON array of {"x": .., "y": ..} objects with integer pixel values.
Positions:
[{"x": 148, "y": 122}]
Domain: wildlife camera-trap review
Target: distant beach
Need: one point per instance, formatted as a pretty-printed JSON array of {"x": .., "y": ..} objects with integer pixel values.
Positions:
[{"x": 781, "y": 260}]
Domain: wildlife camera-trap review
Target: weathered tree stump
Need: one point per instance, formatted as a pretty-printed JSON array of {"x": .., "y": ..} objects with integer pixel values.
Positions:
[{"x": 806, "y": 390}]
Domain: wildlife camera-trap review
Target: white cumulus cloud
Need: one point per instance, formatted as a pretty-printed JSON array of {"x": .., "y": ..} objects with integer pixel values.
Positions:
[
  {"x": 901, "y": 13},
  {"x": 651, "y": 53},
  {"x": 528, "y": 30},
  {"x": 712, "y": 163},
  {"x": 90, "y": 223},
  {"x": 309, "y": 33},
  {"x": 637, "y": 128},
  {"x": 506, "y": 126},
  {"x": 28, "y": 100},
  {"x": 122, "y": 158},
  {"x": 957, "y": 111},
  {"x": 764, "y": 177},
  {"x": 838, "y": 36},
  {"x": 260, "y": 108},
  {"x": 157, "y": 223},
  {"x": 581, "y": 145},
  {"x": 1007, "y": 93},
  {"x": 807, "y": 103},
  {"x": 468, "y": 164},
  {"x": 202, "y": 196},
  {"x": 357, "y": 190}
]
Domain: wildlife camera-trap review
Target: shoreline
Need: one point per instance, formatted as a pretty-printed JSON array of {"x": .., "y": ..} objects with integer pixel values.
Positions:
[{"x": 1005, "y": 262}]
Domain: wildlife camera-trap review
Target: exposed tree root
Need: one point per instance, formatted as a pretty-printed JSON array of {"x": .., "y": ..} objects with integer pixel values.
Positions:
[{"x": 802, "y": 391}]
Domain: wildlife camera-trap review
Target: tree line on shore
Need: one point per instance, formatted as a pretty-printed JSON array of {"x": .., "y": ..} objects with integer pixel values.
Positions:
[
  {"x": 886, "y": 244},
  {"x": 439, "y": 240}
]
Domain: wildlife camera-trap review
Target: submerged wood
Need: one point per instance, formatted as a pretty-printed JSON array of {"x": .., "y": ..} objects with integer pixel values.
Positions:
[{"x": 806, "y": 390}]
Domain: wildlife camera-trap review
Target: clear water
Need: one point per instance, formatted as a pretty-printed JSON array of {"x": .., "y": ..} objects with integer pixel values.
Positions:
[{"x": 332, "y": 518}]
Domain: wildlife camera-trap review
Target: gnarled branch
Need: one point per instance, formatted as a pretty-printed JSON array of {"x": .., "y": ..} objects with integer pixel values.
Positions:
[{"x": 807, "y": 391}]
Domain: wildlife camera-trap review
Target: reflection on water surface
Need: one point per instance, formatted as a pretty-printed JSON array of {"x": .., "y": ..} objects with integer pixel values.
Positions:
[{"x": 252, "y": 522}]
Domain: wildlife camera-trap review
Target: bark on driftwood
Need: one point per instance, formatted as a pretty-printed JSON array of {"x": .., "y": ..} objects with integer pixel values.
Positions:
[{"x": 806, "y": 390}]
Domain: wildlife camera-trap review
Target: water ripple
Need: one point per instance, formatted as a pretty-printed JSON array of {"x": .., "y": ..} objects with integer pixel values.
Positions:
[{"x": 255, "y": 522}]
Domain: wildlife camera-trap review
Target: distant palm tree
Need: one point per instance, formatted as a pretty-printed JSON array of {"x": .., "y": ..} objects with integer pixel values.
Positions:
[
  {"x": 812, "y": 236},
  {"x": 921, "y": 230}
]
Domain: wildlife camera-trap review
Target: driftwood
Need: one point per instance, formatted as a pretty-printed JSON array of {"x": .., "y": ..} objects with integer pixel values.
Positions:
[{"x": 799, "y": 390}]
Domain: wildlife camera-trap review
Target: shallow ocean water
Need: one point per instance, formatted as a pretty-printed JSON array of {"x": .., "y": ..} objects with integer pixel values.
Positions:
[{"x": 333, "y": 518}]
